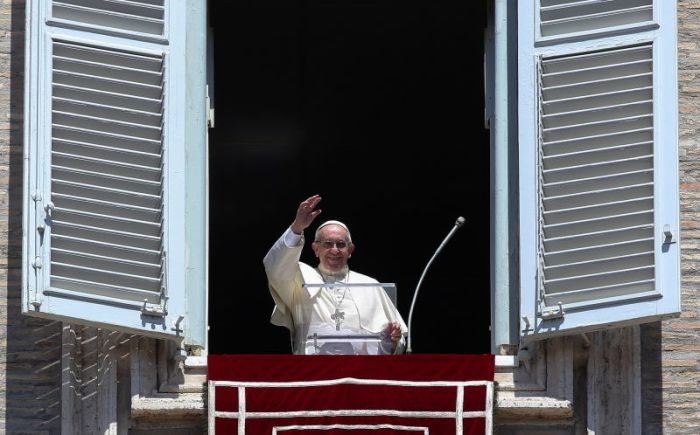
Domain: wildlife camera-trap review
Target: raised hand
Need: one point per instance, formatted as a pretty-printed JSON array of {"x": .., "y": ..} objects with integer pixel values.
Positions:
[
  {"x": 306, "y": 213},
  {"x": 392, "y": 331}
]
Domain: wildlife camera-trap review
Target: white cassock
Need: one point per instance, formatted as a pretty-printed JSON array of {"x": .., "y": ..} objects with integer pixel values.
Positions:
[{"x": 314, "y": 310}]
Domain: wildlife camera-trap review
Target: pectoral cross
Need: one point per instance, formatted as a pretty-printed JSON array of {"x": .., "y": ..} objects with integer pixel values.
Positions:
[{"x": 338, "y": 316}]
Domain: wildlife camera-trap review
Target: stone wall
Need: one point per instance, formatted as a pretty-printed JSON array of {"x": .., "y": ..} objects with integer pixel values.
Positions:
[{"x": 30, "y": 352}]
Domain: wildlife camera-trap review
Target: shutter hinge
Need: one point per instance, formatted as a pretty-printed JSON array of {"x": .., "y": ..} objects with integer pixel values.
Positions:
[
  {"x": 669, "y": 236},
  {"x": 36, "y": 264},
  {"x": 153, "y": 309},
  {"x": 553, "y": 313}
]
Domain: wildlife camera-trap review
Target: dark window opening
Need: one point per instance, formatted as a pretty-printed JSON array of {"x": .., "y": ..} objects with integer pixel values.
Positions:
[{"x": 378, "y": 106}]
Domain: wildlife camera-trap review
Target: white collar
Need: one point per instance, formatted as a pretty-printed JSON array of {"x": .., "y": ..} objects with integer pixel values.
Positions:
[{"x": 328, "y": 276}]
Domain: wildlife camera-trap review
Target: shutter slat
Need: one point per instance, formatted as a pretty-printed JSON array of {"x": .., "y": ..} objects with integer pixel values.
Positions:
[
  {"x": 145, "y": 172},
  {"x": 112, "y": 250},
  {"x": 106, "y": 71},
  {"x": 596, "y": 59},
  {"x": 589, "y": 74},
  {"x": 598, "y": 210},
  {"x": 91, "y": 226},
  {"x": 107, "y": 136},
  {"x": 107, "y": 237},
  {"x": 596, "y": 114},
  {"x": 115, "y": 265},
  {"x": 102, "y": 289},
  {"x": 98, "y": 204},
  {"x": 610, "y": 264},
  {"x": 605, "y": 196},
  {"x": 121, "y": 58},
  {"x": 106, "y": 84},
  {"x": 586, "y": 157},
  {"x": 66, "y": 133},
  {"x": 94, "y": 274},
  {"x": 609, "y": 291},
  {"x": 592, "y": 253},
  {"x": 110, "y": 209},
  {"x": 608, "y": 126},
  {"x": 152, "y": 10},
  {"x": 598, "y": 238},
  {"x": 603, "y": 223},
  {"x": 587, "y": 171},
  {"x": 92, "y": 255},
  {"x": 115, "y": 127},
  {"x": 607, "y": 181},
  {"x": 598, "y": 100},
  {"x": 106, "y": 180},
  {"x": 599, "y": 279},
  {"x": 103, "y": 111},
  {"x": 105, "y": 195},
  {"x": 112, "y": 223},
  {"x": 598, "y": 141},
  {"x": 122, "y": 101},
  {"x": 125, "y": 156},
  {"x": 582, "y": 89}
]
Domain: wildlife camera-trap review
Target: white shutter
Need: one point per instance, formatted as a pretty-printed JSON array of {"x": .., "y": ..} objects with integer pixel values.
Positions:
[
  {"x": 105, "y": 240},
  {"x": 598, "y": 166}
]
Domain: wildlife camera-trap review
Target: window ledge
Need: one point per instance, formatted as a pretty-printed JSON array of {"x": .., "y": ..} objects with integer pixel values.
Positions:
[
  {"x": 533, "y": 408},
  {"x": 507, "y": 361},
  {"x": 168, "y": 405}
]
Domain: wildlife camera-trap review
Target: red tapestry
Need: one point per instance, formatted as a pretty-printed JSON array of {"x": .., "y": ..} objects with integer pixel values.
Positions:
[{"x": 350, "y": 395}]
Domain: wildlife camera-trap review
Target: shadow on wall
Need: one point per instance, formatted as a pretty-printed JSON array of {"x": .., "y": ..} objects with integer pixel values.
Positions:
[
  {"x": 652, "y": 401},
  {"x": 31, "y": 383}
]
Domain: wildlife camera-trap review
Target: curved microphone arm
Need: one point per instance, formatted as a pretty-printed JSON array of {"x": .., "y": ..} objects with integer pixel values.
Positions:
[{"x": 458, "y": 224}]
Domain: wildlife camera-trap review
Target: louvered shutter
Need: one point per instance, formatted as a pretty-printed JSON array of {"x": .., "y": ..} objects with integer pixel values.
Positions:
[
  {"x": 598, "y": 164},
  {"x": 105, "y": 237}
]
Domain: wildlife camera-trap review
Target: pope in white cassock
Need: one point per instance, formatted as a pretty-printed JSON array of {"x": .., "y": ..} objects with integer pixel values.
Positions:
[{"x": 350, "y": 313}]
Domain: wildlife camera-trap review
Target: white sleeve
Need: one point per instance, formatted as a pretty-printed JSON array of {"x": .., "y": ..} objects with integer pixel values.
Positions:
[{"x": 292, "y": 239}]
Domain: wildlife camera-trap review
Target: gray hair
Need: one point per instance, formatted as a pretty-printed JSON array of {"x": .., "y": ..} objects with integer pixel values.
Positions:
[{"x": 340, "y": 224}]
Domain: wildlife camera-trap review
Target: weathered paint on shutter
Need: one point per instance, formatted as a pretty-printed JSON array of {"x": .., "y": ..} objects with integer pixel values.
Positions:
[{"x": 598, "y": 170}]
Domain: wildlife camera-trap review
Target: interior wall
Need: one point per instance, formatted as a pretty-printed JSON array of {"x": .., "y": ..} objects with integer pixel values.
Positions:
[{"x": 376, "y": 105}]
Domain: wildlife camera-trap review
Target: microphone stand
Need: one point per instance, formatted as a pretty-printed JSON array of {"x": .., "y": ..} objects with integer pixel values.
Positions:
[{"x": 458, "y": 224}]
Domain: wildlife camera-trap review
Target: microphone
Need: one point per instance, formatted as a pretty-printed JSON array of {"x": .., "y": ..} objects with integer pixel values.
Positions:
[{"x": 460, "y": 221}]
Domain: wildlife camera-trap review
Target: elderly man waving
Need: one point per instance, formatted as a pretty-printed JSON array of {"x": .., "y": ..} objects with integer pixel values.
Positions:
[{"x": 333, "y": 310}]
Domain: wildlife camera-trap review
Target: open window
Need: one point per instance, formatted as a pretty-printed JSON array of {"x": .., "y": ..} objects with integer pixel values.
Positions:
[
  {"x": 108, "y": 208},
  {"x": 377, "y": 106},
  {"x": 598, "y": 164}
]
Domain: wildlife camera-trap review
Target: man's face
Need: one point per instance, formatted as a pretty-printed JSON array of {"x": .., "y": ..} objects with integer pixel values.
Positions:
[{"x": 332, "y": 248}]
